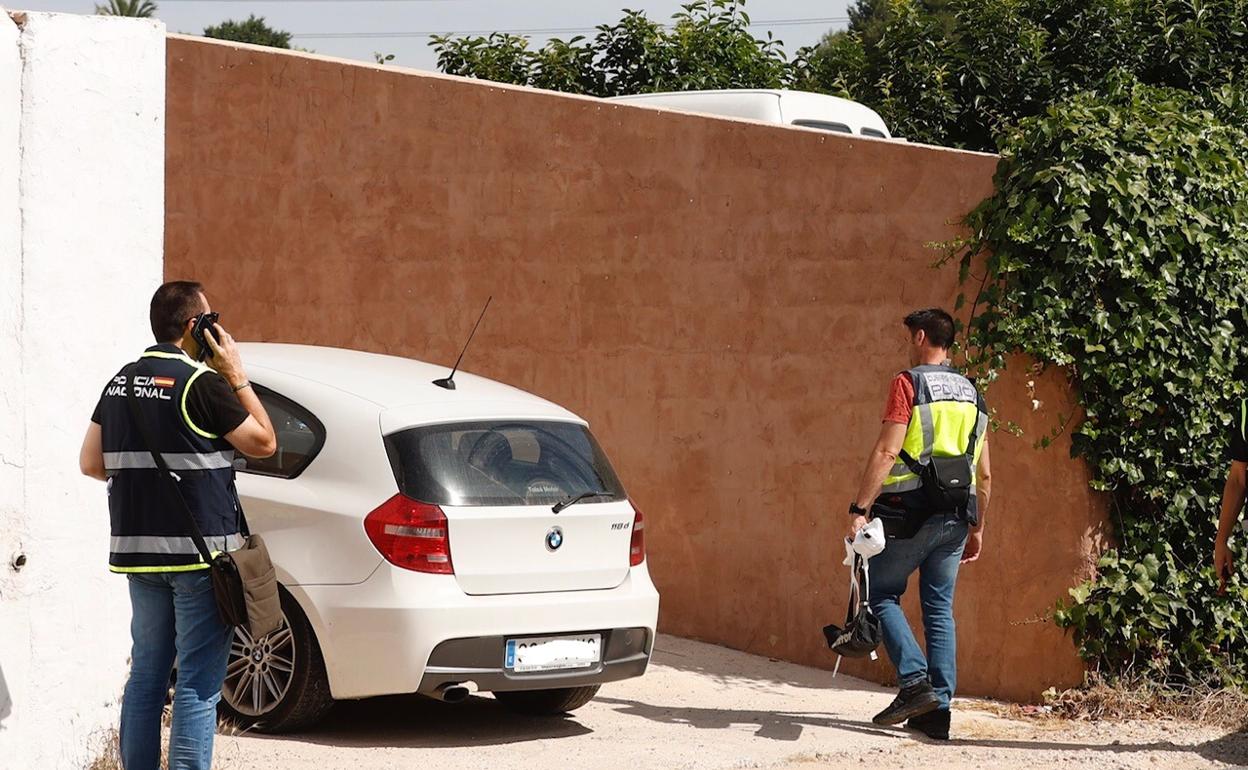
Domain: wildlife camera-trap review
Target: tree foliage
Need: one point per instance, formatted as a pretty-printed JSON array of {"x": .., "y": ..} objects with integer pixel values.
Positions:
[
  {"x": 144, "y": 9},
  {"x": 952, "y": 72},
  {"x": 708, "y": 45},
  {"x": 964, "y": 72},
  {"x": 1116, "y": 246},
  {"x": 254, "y": 30}
]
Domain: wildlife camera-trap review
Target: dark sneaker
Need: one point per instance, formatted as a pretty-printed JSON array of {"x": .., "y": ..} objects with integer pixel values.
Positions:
[
  {"x": 910, "y": 702},
  {"x": 933, "y": 724}
]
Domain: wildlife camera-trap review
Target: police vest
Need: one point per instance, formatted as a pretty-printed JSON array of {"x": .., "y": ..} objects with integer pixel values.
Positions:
[
  {"x": 150, "y": 532},
  {"x": 947, "y": 409}
]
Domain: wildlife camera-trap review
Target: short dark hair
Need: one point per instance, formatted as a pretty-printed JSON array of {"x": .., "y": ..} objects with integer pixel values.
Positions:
[
  {"x": 172, "y": 304},
  {"x": 936, "y": 323}
]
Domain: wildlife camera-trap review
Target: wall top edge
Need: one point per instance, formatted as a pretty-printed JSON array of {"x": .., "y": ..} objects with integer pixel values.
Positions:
[
  {"x": 24, "y": 18},
  {"x": 601, "y": 103}
]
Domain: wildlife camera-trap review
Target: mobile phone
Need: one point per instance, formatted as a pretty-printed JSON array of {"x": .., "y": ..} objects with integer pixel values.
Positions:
[{"x": 204, "y": 325}]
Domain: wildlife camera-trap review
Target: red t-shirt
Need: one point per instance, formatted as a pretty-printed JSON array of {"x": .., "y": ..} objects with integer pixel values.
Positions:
[{"x": 900, "y": 400}]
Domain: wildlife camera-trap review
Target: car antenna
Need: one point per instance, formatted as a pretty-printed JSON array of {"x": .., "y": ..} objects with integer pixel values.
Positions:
[{"x": 449, "y": 381}]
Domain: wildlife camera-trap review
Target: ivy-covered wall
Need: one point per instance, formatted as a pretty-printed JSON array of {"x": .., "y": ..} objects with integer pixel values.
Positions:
[{"x": 1118, "y": 241}]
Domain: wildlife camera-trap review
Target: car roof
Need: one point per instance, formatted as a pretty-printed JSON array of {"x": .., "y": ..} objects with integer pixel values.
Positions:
[{"x": 389, "y": 381}]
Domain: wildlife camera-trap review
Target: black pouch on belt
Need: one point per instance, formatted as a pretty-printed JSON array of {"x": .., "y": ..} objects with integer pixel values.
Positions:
[{"x": 900, "y": 523}]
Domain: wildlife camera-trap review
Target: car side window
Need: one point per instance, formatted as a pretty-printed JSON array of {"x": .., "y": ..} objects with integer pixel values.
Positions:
[
  {"x": 300, "y": 437},
  {"x": 873, "y": 132}
]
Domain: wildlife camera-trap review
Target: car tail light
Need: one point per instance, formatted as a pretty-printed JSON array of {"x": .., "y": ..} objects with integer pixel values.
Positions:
[
  {"x": 637, "y": 550},
  {"x": 411, "y": 535}
]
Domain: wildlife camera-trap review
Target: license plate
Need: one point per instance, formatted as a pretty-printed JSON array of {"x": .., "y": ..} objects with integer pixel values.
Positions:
[{"x": 553, "y": 653}]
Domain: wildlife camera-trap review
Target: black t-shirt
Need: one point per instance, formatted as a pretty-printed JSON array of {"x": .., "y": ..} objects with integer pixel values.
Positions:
[
  {"x": 1239, "y": 447},
  {"x": 211, "y": 404}
]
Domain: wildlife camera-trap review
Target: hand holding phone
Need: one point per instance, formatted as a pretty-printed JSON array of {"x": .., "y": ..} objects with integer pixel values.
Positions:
[
  {"x": 225, "y": 357},
  {"x": 205, "y": 325}
]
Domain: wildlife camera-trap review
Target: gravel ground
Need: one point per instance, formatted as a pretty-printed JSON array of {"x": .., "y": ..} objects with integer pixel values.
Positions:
[{"x": 705, "y": 707}]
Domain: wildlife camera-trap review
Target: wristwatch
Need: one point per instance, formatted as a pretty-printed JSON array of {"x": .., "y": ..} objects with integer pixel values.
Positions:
[{"x": 856, "y": 510}]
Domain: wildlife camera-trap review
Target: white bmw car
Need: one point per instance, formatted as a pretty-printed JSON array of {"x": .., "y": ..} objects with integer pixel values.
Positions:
[{"x": 435, "y": 541}]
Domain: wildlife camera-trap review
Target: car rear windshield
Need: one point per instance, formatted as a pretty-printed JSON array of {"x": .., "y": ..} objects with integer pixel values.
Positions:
[{"x": 501, "y": 463}]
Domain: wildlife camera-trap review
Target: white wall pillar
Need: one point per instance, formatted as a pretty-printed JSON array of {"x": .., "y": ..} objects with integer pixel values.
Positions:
[
  {"x": 91, "y": 204},
  {"x": 14, "y": 622}
]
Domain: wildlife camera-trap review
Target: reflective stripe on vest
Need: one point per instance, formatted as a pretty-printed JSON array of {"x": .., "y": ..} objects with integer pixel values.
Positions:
[
  {"x": 946, "y": 410},
  {"x": 172, "y": 545},
  {"x": 178, "y": 461}
]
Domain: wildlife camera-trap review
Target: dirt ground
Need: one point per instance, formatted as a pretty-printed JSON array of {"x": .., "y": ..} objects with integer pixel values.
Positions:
[{"x": 708, "y": 708}]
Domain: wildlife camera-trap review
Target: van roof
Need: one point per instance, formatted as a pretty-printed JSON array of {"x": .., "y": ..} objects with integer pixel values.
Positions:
[{"x": 795, "y": 105}]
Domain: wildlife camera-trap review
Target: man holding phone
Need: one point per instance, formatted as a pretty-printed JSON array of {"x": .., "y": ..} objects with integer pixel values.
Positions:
[
  {"x": 197, "y": 414},
  {"x": 1233, "y": 494}
]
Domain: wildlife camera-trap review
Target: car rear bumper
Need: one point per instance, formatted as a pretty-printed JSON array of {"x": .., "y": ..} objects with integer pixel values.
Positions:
[
  {"x": 379, "y": 637},
  {"x": 625, "y": 654}
]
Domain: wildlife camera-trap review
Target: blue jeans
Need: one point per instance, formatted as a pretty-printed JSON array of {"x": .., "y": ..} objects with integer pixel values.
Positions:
[
  {"x": 935, "y": 551},
  {"x": 174, "y": 614}
]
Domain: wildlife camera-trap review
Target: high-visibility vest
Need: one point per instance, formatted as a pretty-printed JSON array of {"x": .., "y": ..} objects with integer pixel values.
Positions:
[
  {"x": 947, "y": 409},
  {"x": 150, "y": 532}
]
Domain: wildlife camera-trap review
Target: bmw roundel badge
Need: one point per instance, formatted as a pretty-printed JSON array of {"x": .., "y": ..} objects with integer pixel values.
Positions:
[{"x": 554, "y": 539}]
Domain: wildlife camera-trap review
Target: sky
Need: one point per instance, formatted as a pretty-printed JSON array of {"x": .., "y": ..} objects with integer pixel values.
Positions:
[{"x": 358, "y": 28}]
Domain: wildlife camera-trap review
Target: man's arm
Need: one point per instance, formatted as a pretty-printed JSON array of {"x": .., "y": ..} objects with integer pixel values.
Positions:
[
  {"x": 255, "y": 437},
  {"x": 879, "y": 464},
  {"x": 1233, "y": 493},
  {"x": 983, "y": 487},
  {"x": 91, "y": 456},
  {"x": 983, "y": 491}
]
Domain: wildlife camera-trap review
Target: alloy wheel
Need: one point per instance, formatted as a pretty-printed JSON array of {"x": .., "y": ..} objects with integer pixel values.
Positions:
[{"x": 258, "y": 674}]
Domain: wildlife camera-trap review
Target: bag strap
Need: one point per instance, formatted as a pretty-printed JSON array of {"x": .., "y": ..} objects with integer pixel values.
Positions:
[
  {"x": 853, "y": 592},
  {"x": 974, "y": 439},
  {"x": 915, "y": 467},
  {"x": 241, "y": 520},
  {"x": 163, "y": 467},
  {"x": 859, "y": 593},
  {"x": 866, "y": 583}
]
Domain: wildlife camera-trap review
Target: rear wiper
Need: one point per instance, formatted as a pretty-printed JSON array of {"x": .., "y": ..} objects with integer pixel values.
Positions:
[{"x": 559, "y": 506}]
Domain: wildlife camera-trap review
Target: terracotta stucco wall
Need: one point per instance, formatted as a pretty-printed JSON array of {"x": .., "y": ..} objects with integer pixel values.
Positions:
[{"x": 720, "y": 299}]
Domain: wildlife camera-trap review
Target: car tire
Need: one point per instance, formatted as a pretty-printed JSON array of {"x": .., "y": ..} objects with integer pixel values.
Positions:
[
  {"x": 305, "y": 697},
  {"x": 547, "y": 702}
]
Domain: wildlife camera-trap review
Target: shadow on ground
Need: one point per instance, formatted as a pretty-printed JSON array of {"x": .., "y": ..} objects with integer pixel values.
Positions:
[
  {"x": 787, "y": 726},
  {"x": 775, "y": 725},
  {"x": 413, "y": 721},
  {"x": 723, "y": 664}
]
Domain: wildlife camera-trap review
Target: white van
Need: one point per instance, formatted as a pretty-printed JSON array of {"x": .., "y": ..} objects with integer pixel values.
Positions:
[{"x": 792, "y": 108}]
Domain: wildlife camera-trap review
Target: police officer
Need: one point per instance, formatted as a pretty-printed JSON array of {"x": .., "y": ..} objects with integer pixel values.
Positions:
[
  {"x": 198, "y": 416},
  {"x": 932, "y": 411}
]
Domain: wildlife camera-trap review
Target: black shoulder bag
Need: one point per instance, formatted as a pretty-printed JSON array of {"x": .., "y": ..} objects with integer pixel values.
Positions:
[
  {"x": 244, "y": 581},
  {"x": 860, "y": 636},
  {"x": 947, "y": 480}
]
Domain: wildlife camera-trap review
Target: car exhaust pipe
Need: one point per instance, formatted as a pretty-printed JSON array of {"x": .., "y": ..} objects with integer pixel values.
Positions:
[{"x": 452, "y": 693}]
